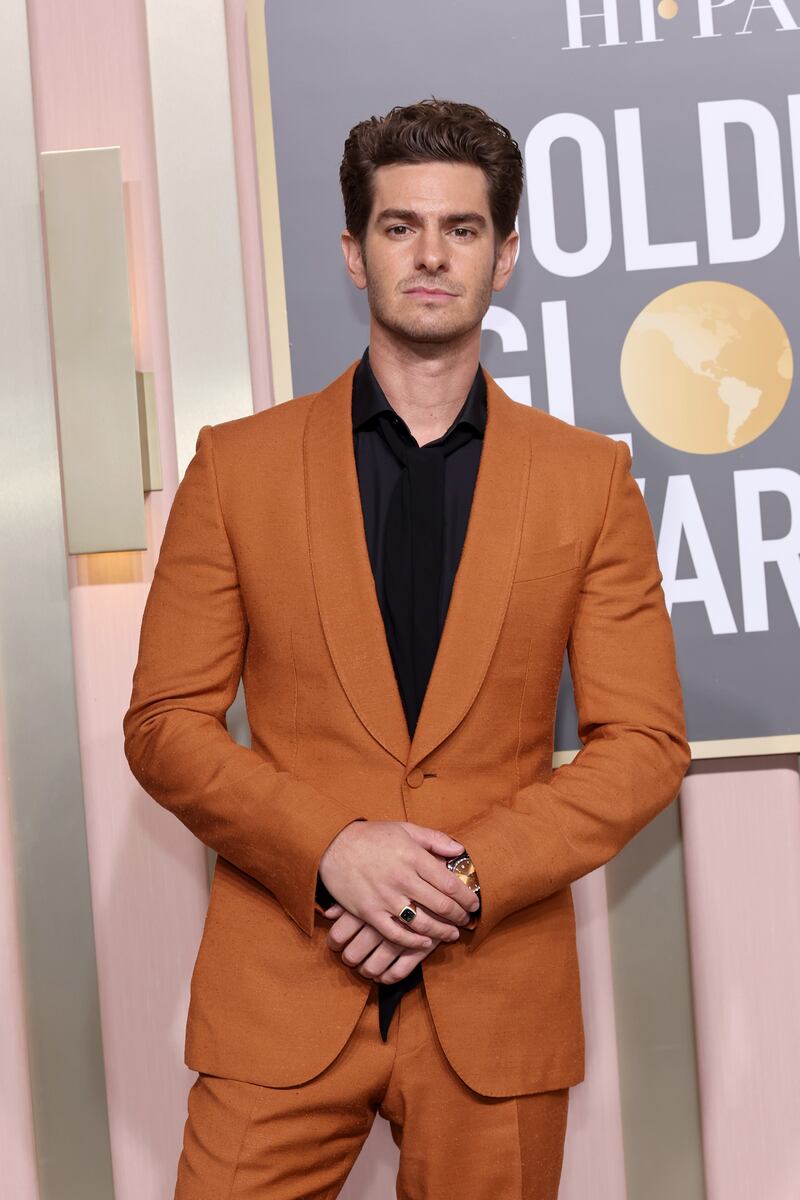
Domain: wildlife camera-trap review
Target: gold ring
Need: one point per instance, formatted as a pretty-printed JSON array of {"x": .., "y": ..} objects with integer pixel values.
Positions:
[{"x": 407, "y": 913}]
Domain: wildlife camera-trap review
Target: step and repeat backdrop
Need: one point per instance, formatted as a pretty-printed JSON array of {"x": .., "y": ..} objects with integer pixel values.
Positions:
[{"x": 654, "y": 297}]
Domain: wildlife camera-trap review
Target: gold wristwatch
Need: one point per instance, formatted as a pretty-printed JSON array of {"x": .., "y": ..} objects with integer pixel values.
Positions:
[{"x": 463, "y": 866}]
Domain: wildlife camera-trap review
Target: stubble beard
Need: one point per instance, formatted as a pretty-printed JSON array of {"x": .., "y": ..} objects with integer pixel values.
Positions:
[{"x": 436, "y": 326}]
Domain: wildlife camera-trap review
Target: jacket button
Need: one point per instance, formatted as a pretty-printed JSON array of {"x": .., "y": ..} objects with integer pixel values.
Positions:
[{"x": 414, "y": 778}]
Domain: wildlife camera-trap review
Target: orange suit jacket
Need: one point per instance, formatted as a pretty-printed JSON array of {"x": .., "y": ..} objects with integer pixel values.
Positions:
[{"x": 264, "y": 574}]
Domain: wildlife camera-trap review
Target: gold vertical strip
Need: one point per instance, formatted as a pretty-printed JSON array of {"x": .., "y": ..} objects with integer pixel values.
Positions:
[
  {"x": 149, "y": 439},
  {"x": 788, "y": 743},
  {"x": 40, "y": 727},
  {"x": 268, "y": 202},
  {"x": 651, "y": 965}
]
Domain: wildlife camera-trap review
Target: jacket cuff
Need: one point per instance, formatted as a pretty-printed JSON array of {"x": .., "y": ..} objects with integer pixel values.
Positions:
[
  {"x": 515, "y": 859},
  {"x": 473, "y": 921}
]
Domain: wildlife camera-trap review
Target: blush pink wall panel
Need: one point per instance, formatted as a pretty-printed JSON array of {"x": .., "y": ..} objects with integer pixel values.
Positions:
[
  {"x": 249, "y": 214},
  {"x": 741, "y": 827}
]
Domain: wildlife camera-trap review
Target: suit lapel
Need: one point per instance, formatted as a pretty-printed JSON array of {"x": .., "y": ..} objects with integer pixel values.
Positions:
[
  {"x": 482, "y": 585},
  {"x": 345, "y": 587}
]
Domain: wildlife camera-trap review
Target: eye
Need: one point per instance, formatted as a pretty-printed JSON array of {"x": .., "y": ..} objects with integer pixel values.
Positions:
[
  {"x": 462, "y": 229},
  {"x": 394, "y": 228}
]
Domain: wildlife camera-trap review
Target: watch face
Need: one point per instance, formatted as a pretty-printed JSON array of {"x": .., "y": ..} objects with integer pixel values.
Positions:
[{"x": 464, "y": 868}]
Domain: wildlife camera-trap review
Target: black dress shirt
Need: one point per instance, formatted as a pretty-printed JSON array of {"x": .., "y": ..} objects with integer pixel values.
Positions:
[{"x": 416, "y": 502}]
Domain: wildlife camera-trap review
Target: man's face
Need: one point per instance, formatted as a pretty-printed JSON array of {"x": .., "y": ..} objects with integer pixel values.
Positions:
[{"x": 429, "y": 261}]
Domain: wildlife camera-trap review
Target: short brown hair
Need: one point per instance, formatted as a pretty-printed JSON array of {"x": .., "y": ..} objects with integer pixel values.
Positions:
[{"x": 431, "y": 130}]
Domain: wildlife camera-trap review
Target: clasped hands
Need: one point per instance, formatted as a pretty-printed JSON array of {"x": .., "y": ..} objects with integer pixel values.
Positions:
[{"x": 374, "y": 868}]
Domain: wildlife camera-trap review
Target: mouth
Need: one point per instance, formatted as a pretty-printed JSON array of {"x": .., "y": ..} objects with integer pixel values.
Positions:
[{"x": 431, "y": 293}]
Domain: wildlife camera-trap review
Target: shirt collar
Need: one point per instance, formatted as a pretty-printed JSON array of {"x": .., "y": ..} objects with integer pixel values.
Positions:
[{"x": 369, "y": 400}]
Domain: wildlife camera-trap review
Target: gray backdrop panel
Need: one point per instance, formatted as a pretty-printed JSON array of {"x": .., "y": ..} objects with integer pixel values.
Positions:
[{"x": 332, "y": 65}]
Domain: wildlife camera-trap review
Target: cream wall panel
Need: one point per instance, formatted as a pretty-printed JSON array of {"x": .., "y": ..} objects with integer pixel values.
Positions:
[{"x": 199, "y": 216}]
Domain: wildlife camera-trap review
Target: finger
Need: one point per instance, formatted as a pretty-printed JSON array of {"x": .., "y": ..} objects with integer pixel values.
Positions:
[
  {"x": 430, "y": 925},
  {"x": 403, "y": 965},
  {"x": 335, "y": 910},
  {"x": 433, "y": 839},
  {"x": 442, "y": 909},
  {"x": 364, "y": 942},
  {"x": 342, "y": 930},
  {"x": 448, "y": 931},
  {"x": 453, "y": 891},
  {"x": 427, "y": 922},
  {"x": 380, "y": 959},
  {"x": 395, "y": 930}
]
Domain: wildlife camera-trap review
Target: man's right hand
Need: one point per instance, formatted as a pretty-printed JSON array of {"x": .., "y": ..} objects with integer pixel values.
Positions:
[
  {"x": 373, "y": 868},
  {"x": 363, "y": 948}
]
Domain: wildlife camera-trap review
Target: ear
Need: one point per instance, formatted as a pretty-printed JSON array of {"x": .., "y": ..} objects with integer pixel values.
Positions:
[
  {"x": 354, "y": 259},
  {"x": 504, "y": 262}
]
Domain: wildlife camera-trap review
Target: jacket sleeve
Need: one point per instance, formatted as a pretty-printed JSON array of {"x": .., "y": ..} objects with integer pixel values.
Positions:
[
  {"x": 630, "y": 722},
  {"x": 267, "y": 822}
]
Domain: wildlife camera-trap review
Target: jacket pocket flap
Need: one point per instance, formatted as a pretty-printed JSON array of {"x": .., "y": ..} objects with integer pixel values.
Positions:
[{"x": 550, "y": 560}]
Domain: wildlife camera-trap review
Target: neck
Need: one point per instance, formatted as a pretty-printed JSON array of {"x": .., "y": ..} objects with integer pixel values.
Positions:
[{"x": 425, "y": 383}]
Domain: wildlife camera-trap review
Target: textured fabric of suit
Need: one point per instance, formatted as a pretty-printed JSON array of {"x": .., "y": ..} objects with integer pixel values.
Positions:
[{"x": 246, "y": 1141}]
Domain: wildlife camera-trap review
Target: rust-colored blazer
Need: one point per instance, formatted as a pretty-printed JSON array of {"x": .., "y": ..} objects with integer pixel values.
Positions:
[{"x": 264, "y": 570}]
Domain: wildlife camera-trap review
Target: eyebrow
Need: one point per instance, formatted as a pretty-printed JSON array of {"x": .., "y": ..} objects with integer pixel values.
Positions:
[{"x": 408, "y": 214}]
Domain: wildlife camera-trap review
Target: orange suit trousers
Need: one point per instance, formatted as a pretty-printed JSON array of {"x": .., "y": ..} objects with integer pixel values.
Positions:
[{"x": 244, "y": 1141}]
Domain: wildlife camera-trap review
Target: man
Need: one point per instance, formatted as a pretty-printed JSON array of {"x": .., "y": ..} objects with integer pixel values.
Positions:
[{"x": 396, "y": 565}]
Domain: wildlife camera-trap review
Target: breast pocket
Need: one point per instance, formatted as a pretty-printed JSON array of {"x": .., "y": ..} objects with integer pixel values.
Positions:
[{"x": 547, "y": 560}]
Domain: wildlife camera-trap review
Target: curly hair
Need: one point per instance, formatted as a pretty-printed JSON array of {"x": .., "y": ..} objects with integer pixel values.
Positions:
[{"x": 431, "y": 130}]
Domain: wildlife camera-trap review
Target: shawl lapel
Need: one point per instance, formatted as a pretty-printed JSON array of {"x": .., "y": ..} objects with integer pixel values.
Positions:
[{"x": 345, "y": 588}]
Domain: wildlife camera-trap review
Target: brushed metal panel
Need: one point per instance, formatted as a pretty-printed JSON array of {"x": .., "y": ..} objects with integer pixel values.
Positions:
[
  {"x": 38, "y": 688},
  {"x": 655, "y": 1022},
  {"x": 95, "y": 373}
]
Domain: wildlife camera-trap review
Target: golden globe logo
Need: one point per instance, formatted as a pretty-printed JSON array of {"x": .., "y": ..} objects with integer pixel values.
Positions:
[{"x": 706, "y": 367}]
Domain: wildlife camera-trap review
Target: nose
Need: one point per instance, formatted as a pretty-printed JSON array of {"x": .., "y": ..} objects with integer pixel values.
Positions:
[{"x": 432, "y": 251}]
